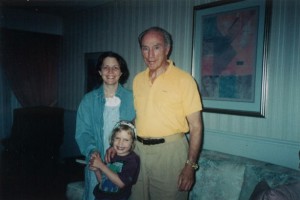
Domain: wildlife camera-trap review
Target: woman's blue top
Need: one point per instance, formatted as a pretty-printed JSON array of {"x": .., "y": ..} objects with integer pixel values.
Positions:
[{"x": 90, "y": 123}]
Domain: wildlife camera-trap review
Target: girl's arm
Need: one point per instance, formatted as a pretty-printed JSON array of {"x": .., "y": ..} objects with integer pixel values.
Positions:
[{"x": 96, "y": 162}]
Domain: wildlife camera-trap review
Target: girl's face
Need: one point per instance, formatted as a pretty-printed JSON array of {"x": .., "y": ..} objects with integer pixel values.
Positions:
[
  {"x": 110, "y": 71},
  {"x": 122, "y": 143}
]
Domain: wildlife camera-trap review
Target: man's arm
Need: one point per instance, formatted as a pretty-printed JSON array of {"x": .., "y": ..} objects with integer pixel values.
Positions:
[
  {"x": 187, "y": 176},
  {"x": 196, "y": 128}
]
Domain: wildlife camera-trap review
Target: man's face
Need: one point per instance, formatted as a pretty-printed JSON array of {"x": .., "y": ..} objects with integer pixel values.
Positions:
[{"x": 154, "y": 50}]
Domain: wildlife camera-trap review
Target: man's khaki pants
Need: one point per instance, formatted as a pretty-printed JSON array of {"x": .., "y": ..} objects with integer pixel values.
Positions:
[{"x": 161, "y": 165}]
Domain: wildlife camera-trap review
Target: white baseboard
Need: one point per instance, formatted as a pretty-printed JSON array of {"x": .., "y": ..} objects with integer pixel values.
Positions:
[{"x": 284, "y": 153}]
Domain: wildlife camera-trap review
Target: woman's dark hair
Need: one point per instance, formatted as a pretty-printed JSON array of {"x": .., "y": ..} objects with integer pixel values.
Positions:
[{"x": 121, "y": 61}]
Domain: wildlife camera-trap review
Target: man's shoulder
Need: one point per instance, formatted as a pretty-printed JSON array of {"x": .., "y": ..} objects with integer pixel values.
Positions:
[
  {"x": 140, "y": 75},
  {"x": 181, "y": 76},
  {"x": 180, "y": 71}
]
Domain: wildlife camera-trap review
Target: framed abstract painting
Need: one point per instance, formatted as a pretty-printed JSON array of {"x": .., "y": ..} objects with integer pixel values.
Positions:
[{"x": 230, "y": 43}]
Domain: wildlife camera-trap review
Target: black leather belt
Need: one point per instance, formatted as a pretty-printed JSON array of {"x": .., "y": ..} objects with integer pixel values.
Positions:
[{"x": 150, "y": 141}]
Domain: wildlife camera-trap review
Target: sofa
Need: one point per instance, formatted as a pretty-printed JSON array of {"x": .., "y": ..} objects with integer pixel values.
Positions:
[
  {"x": 228, "y": 177},
  {"x": 223, "y": 176}
]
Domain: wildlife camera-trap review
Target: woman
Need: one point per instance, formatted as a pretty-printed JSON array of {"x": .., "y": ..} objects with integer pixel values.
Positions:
[{"x": 100, "y": 110}]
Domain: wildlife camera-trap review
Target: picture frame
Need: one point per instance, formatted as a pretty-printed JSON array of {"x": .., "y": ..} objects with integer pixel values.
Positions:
[
  {"x": 230, "y": 48},
  {"x": 92, "y": 77}
]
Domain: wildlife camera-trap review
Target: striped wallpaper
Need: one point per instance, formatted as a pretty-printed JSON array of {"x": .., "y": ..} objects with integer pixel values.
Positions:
[{"x": 115, "y": 26}]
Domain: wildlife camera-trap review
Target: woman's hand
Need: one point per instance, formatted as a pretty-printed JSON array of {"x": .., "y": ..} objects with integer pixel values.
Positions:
[
  {"x": 93, "y": 168},
  {"x": 110, "y": 153},
  {"x": 91, "y": 163}
]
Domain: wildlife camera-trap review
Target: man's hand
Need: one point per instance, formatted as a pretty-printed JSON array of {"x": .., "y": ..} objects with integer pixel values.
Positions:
[
  {"x": 110, "y": 153},
  {"x": 186, "y": 178}
]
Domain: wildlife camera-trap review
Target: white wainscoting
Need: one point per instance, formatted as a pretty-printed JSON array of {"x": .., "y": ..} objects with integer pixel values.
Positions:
[{"x": 275, "y": 151}]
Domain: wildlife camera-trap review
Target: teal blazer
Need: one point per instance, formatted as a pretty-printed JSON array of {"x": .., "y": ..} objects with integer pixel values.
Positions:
[{"x": 89, "y": 122}]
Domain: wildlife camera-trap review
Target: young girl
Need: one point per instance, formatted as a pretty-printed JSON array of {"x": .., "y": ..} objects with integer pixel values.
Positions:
[{"x": 116, "y": 178}]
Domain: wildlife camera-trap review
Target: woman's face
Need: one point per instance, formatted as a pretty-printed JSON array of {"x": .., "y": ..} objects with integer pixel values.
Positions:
[{"x": 110, "y": 71}]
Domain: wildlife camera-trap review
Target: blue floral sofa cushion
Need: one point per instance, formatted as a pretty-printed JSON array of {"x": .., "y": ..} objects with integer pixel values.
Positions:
[
  {"x": 218, "y": 179},
  {"x": 228, "y": 177}
]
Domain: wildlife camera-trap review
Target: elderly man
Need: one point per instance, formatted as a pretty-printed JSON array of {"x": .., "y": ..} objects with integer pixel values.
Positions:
[{"x": 168, "y": 105}]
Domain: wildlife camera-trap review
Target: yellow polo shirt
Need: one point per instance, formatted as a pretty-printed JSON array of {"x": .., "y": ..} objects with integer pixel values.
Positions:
[{"x": 162, "y": 107}]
